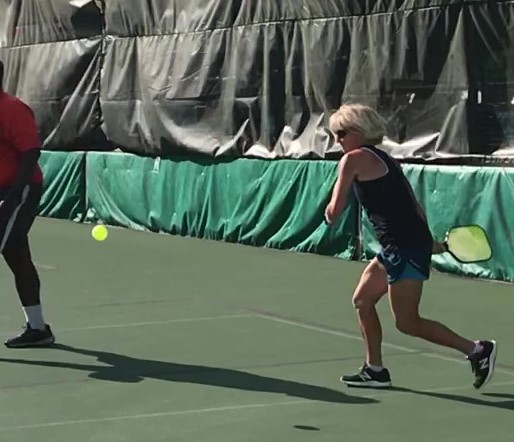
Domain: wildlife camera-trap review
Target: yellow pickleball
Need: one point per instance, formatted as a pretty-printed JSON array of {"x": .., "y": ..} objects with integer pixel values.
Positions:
[{"x": 99, "y": 233}]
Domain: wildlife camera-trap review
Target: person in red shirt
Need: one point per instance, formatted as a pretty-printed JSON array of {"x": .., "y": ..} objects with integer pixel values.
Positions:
[{"x": 21, "y": 188}]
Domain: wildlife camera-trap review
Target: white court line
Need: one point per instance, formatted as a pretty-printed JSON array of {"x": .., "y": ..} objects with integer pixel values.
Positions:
[
  {"x": 426, "y": 353},
  {"x": 169, "y": 321},
  {"x": 150, "y": 415},
  {"x": 330, "y": 332},
  {"x": 385, "y": 394},
  {"x": 44, "y": 266}
]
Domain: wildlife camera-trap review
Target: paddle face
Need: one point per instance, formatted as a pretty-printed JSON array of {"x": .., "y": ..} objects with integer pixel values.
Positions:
[{"x": 468, "y": 244}]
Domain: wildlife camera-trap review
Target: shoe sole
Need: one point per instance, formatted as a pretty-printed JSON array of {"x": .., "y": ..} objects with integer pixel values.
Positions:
[
  {"x": 42, "y": 343},
  {"x": 367, "y": 384},
  {"x": 491, "y": 365}
]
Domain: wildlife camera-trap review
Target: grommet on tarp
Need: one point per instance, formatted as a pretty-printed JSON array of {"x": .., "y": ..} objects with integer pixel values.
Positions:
[{"x": 156, "y": 165}]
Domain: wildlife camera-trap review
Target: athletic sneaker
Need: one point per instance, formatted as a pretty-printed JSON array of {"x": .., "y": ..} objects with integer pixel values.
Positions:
[
  {"x": 482, "y": 363},
  {"x": 31, "y": 338},
  {"x": 368, "y": 378}
]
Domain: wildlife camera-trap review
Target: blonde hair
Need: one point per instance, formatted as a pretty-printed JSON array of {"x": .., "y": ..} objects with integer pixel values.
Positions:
[{"x": 361, "y": 119}]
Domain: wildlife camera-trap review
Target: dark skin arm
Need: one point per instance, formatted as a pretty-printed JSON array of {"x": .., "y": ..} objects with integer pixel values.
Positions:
[{"x": 28, "y": 163}]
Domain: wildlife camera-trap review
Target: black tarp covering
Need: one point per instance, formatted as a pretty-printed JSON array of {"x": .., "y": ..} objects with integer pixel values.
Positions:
[
  {"x": 260, "y": 77},
  {"x": 52, "y": 54}
]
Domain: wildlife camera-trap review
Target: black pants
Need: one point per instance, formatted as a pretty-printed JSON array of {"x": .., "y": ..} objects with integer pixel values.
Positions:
[{"x": 15, "y": 226}]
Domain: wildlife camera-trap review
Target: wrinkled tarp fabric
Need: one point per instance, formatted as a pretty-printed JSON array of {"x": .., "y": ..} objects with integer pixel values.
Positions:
[{"x": 260, "y": 78}]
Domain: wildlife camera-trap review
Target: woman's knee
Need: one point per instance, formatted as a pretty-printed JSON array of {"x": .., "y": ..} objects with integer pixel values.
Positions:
[
  {"x": 408, "y": 326},
  {"x": 363, "y": 301},
  {"x": 372, "y": 286},
  {"x": 405, "y": 297}
]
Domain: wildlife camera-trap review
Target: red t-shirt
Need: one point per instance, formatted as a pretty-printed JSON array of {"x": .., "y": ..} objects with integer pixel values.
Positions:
[{"x": 18, "y": 133}]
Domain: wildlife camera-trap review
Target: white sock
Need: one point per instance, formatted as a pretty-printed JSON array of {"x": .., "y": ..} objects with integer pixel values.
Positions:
[
  {"x": 376, "y": 368},
  {"x": 34, "y": 316},
  {"x": 478, "y": 348}
]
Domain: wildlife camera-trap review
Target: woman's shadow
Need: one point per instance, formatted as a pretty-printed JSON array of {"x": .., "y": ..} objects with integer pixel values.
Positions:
[{"x": 120, "y": 368}]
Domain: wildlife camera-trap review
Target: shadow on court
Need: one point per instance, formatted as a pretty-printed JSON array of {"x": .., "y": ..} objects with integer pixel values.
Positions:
[
  {"x": 120, "y": 368},
  {"x": 507, "y": 404}
]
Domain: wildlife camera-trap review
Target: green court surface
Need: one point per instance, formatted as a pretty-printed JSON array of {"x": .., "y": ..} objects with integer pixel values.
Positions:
[{"x": 165, "y": 338}]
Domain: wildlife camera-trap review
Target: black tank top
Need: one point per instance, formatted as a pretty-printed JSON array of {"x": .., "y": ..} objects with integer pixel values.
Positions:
[{"x": 391, "y": 207}]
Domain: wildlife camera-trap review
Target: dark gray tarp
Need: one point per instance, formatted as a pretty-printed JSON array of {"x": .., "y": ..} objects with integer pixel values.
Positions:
[
  {"x": 260, "y": 77},
  {"x": 52, "y": 52}
]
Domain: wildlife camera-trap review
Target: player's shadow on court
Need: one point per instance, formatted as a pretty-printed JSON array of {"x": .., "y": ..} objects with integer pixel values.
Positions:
[
  {"x": 507, "y": 404},
  {"x": 120, "y": 368}
]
